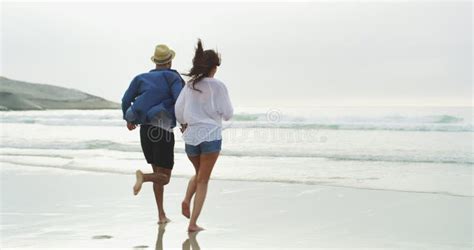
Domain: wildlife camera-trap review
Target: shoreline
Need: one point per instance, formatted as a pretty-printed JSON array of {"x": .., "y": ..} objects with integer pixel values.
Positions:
[{"x": 184, "y": 176}]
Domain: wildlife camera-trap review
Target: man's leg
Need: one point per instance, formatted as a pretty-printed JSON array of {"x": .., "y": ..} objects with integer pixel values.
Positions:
[
  {"x": 191, "y": 188},
  {"x": 160, "y": 177},
  {"x": 151, "y": 143},
  {"x": 164, "y": 175},
  {"x": 158, "y": 146}
]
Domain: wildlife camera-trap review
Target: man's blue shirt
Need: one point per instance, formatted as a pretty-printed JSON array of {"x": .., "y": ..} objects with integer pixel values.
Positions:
[{"x": 151, "y": 95}]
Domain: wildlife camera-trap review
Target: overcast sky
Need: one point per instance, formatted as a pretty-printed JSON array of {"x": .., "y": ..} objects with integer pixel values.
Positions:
[{"x": 320, "y": 53}]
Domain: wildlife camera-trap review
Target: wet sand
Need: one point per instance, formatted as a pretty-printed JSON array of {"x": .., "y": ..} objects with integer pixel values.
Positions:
[{"x": 56, "y": 208}]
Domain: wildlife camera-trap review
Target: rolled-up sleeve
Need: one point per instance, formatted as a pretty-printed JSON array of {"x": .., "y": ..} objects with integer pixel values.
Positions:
[
  {"x": 130, "y": 95},
  {"x": 176, "y": 87}
]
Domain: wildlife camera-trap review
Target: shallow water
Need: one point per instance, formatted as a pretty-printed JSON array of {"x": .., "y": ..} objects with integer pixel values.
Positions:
[{"x": 407, "y": 149}]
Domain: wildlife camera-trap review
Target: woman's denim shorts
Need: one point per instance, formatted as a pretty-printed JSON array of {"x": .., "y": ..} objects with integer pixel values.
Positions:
[{"x": 203, "y": 148}]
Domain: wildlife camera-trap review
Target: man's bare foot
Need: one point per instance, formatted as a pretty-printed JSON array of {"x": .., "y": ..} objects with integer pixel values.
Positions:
[
  {"x": 163, "y": 220},
  {"x": 194, "y": 228},
  {"x": 185, "y": 209},
  {"x": 138, "y": 183}
]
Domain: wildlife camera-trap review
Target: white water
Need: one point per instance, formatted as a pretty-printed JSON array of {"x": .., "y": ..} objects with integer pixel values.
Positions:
[{"x": 406, "y": 149}]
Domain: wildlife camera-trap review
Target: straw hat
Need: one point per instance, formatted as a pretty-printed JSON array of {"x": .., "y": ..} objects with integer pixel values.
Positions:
[{"x": 163, "y": 55}]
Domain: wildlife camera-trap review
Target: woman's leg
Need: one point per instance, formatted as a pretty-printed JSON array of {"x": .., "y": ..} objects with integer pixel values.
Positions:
[
  {"x": 191, "y": 187},
  {"x": 206, "y": 165}
]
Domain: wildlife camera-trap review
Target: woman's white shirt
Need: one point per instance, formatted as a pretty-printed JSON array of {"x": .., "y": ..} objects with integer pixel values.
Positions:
[{"x": 203, "y": 111}]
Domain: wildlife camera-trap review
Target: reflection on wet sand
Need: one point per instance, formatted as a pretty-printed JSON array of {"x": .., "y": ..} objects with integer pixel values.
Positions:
[
  {"x": 159, "y": 240},
  {"x": 189, "y": 244}
]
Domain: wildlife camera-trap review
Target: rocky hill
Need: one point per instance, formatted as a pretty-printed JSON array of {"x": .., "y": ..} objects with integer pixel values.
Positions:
[{"x": 18, "y": 95}]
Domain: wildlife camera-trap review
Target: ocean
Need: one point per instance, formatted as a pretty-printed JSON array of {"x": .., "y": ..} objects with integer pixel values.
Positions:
[{"x": 409, "y": 149}]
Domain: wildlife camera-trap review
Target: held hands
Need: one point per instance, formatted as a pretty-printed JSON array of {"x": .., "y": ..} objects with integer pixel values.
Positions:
[
  {"x": 183, "y": 127},
  {"x": 131, "y": 126}
]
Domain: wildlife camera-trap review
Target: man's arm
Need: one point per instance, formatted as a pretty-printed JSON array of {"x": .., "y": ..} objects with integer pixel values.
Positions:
[
  {"x": 176, "y": 86},
  {"x": 129, "y": 95},
  {"x": 177, "y": 92}
]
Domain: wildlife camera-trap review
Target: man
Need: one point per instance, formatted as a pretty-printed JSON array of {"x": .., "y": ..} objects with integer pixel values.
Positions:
[{"x": 149, "y": 101}]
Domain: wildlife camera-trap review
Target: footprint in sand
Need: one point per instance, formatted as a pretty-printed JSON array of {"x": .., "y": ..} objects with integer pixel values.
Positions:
[{"x": 101, "y": 237}]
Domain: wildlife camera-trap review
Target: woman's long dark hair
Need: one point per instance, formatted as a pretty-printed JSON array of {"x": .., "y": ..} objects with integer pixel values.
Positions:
[{"x": 203, "y": 62}]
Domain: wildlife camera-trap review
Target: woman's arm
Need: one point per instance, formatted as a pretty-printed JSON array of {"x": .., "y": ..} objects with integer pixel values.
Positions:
[
  {"x": 224, "y": 106},
  {"x": 179, "y": 106}
]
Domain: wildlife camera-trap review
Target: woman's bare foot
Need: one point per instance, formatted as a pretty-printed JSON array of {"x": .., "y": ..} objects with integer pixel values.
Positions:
[
  {"x": 138, "y": 183},
  {"x": 163, "y": 219},
  {"x": 185, "y": 209},
  {"x": 194, "y": 228}
]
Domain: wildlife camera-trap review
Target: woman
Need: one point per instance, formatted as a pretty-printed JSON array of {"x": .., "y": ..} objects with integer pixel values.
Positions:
[{"x": 201, "y": 105}]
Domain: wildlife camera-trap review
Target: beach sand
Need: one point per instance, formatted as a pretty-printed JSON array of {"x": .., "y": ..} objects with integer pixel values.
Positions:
[{"x": 53, "y": 208}]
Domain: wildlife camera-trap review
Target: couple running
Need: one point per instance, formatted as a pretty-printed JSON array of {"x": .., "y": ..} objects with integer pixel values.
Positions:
[{"x": 155, "y": 100}]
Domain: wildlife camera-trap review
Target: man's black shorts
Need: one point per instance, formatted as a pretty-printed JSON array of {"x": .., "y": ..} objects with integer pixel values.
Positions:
[{"x": 157, "y": 146}]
